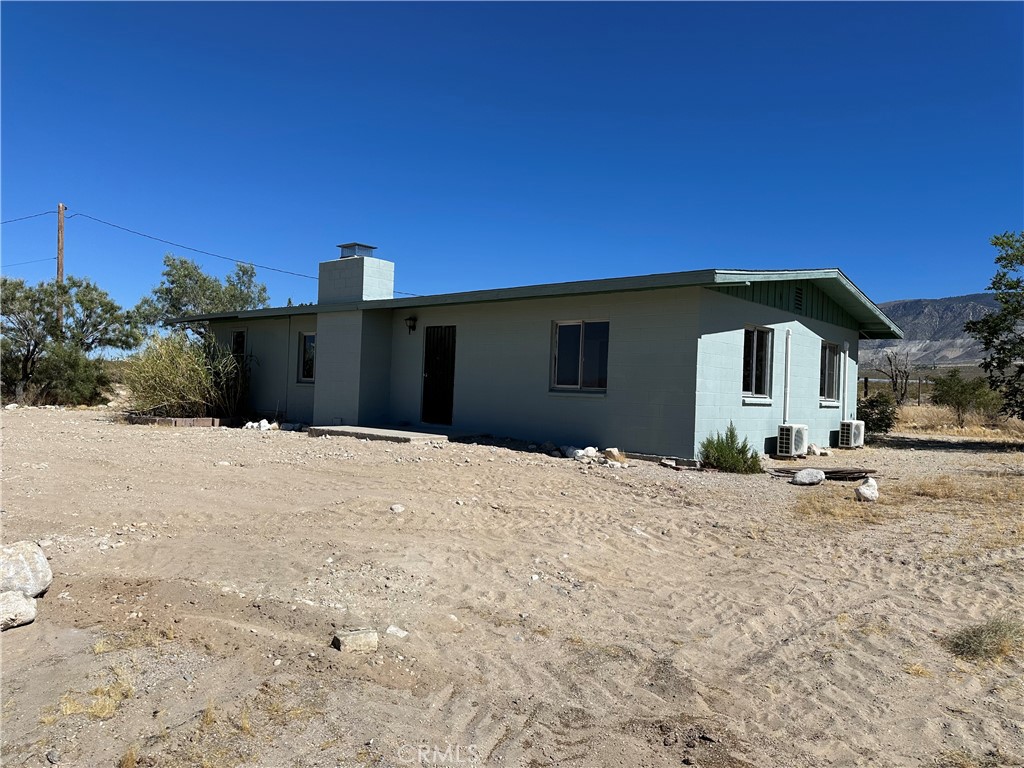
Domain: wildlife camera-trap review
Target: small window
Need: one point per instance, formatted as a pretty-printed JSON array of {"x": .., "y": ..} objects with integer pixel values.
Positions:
[
  {"x": 307, "y": 356},
  {"x": 580, "y": 356},
  {"x": 828, "y": 382},
  {"x": 238, "y": 344},
  {"x": 757, "y": 361}
]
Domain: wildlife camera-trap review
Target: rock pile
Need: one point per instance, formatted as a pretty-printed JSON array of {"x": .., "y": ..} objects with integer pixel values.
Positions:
[
  {"x": 610, "y": 457},
  {"x": 24, "y": 575}
]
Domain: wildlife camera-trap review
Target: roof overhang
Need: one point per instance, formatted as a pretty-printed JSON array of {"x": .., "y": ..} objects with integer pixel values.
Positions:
[{"x": 872, "y": 322}]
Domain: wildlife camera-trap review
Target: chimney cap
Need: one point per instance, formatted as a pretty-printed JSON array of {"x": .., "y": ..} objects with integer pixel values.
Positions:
[{"x": 348, "y": 250}]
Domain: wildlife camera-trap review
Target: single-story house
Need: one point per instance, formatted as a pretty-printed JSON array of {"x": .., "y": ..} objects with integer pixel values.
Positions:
[{"x": 651, "y": 364}]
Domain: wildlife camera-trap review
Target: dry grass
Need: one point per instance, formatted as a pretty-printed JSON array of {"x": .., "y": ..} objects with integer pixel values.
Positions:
[
  {"x": 992, "y": 640},
  {"x": 105, "y": 698},
  {"x": 958, "y": 758},
  {"x": 917, "y": 670},
  {"x": 996, "y": 491},
  {"x": 836, "y": 503},
  {"x": 130, "y": 759},
  {"x": 939, "y": 420}
]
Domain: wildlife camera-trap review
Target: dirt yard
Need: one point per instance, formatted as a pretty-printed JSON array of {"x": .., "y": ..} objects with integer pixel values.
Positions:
[{"x": 557, "y": 614}]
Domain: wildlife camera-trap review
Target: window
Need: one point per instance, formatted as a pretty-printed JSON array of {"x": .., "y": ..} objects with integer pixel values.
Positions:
[
  {"x": 238, "y": 345},
  {"x": 828, "y": 382},
  {"x": 580, "y": 356},
  {"x": 757, "y": 361},
  {"x": 307, "y": 356}
]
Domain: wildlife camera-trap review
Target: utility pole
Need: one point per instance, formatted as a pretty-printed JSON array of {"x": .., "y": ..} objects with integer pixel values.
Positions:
[{"x": 60, "y": 257}]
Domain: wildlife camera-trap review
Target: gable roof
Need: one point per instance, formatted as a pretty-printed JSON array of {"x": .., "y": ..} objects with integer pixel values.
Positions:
[{"x": 871, "y": 322}]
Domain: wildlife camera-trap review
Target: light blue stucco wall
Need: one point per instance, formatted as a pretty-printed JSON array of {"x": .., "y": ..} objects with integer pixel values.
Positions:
[
  {"x": 272, "y": 349},
  {"x": 339, "y": 344},
  {"x": 719, "y": 397},
  {"x": 503, "y": 370}
]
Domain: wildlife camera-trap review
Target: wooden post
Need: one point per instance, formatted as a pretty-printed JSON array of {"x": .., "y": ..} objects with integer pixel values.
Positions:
[
  {"x": 918, "y": 390},
  {"x": 865, "y": 386},
  {"x": 60, "y": 257}
]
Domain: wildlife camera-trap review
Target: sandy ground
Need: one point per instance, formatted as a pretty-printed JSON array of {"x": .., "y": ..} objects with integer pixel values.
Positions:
[{"x": 558, "y": 615}]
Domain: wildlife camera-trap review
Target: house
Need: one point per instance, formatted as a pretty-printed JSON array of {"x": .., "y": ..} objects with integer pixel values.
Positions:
[{"x": 651, "y": 364}]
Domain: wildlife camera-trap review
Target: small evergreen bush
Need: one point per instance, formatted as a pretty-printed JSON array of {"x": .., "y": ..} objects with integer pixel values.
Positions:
[
  {"x": 728, "y": 454},
  {"x": 878, "y": 411},
  {"x": 965, "y": 396}
]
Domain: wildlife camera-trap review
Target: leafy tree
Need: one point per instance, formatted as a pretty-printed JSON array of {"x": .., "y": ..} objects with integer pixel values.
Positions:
[
  {"x": 32, "y": 330},
  {"x": 964, "y": 395},
  {"x": 187, "y": 290},
  {"x": 1001, "y": 333}
]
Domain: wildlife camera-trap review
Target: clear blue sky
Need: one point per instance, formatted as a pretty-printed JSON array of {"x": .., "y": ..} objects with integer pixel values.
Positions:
[{"x": 487, "y": 145}]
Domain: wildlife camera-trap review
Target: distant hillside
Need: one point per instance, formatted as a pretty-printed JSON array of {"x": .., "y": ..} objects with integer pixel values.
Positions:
[{"x": 933, "y": 330}]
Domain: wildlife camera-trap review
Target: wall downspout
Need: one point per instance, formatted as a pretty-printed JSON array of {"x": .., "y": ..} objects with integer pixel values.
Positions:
[
  {"x": 846, "y": 383},
  {"x": 785, "y": 386}
]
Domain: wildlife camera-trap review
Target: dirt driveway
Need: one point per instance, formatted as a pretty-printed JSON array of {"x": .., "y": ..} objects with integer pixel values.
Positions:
[{"x": 557, "y": 614}]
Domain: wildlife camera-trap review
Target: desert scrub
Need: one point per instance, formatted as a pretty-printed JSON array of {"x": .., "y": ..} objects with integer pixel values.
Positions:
[
  {"x": 878, "y": 412},
  {"x": 989, "y": 641},
  {"x": 728, "y": 454}
]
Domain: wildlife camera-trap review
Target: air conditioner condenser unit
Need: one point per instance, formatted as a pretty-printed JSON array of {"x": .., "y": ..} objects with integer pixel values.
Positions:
[
  {"x": 851, "y": 434},
  {"x": 792, "y": 440}
]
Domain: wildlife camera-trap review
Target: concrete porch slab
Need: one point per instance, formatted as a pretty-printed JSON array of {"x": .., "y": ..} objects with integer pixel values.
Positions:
[{"x": 378, "y": 433}]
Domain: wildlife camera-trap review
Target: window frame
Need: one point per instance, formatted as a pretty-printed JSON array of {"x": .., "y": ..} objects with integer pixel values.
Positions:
[
  {"x": 301, "y": 355},
  {"x": 240, "y": 356},
  {"x": 752, "y": 353},
  {"x": 602, "y": 371},
  {"x": 830, "y": 352}
]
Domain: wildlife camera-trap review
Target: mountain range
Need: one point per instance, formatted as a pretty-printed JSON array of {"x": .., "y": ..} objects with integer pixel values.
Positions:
[{"x": 933, "y": 331}]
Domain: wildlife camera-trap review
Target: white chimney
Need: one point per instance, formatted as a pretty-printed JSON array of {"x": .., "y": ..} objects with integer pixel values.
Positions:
[{"x": 356, "y": 276}]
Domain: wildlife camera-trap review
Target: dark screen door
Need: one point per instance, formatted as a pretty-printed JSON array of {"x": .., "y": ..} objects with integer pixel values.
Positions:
[{"x": 439, "y": 374}]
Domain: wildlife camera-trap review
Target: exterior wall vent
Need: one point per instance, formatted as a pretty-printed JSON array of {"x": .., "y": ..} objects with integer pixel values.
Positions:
[{"x": 798, "y": 299}]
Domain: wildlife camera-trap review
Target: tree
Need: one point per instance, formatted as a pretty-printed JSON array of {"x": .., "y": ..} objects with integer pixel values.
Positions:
[
  {"x": 897, "y": 370},
  {"x": 187, "y": 290},
  {"x": 32, "y": 332},
  {"x": 1001, "y": 333},
  {"x": 964, "y": 395}
]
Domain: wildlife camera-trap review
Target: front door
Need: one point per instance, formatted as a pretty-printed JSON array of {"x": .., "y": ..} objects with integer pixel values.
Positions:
[{"x": 439, "y": 374}]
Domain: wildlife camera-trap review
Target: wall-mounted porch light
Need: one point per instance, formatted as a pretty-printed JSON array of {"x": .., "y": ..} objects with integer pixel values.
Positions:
[{"x": 410, "y": 323}]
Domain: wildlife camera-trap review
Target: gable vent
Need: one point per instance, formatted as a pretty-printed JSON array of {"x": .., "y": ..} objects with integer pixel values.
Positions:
[{"x": 798, "y": 299}]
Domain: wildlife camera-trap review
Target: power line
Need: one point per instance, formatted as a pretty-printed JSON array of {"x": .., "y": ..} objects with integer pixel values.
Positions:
[
  {"x": 189, "y": 248},
  {"x": 22, "y": 218},
  {"x": 34, "y": 261}
]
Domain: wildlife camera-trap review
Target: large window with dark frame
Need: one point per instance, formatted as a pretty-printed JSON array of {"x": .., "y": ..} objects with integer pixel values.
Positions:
[
  {"x": 828, "y": 382},
  {"x": 307, "y": 356},
  {"x": 580, "y": 356},
  {"x": 757, "y": 362},
  {"x": 238, "y": 344}
]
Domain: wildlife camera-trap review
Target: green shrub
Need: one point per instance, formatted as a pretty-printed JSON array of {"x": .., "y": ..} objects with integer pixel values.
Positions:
[
  {"x": 65, "y": 375},
  {"x": 176, "y": 375},
  {"x": 991, "y": 640},
  {"x": 878, "y": 411},
  {"x": 727, "y": 453},
  {"x": 965, "y": 395}
]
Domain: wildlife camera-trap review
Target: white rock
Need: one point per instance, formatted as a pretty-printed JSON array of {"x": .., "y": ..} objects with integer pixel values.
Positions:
[
  {"x": 590, "y": 452},
  {"x": 23, "y": 567},
  {"x": 615, "y": 464},
  {"x": 396, "y": 631},
  {"x": 808, "y": 477},
  {"x": 11, "y": 407},
  {"x": 362, "y": 640},
  {"x": 867, "y": 491},
  {"x": 263, "y": 426},
  {"x": 16, "y": 609},
  {"x": 250, "y": 425},
  {"x": 813, "y": 450},
  {"x": 397, "y": 509},
  {"x": 614, "y": 454}
]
